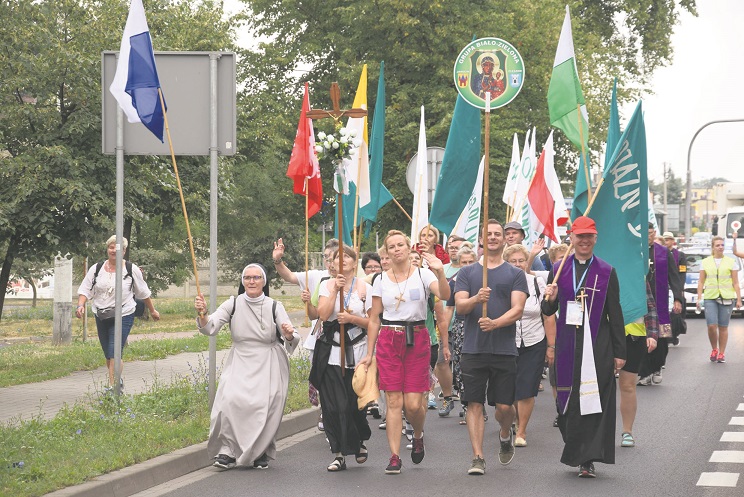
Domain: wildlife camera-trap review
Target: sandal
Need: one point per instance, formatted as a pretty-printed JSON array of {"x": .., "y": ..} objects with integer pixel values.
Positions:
[
  {"x": 338, "y": 464},
  {"x": 627, "y": 440},
  {"x": 361, "y": 456},
  {"x": 463, "y": 422}
]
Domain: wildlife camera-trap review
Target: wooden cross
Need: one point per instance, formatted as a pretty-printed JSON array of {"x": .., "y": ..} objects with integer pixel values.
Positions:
[
  {"x": 336, "y": 114},
  {"x": 400, "y": 299}
]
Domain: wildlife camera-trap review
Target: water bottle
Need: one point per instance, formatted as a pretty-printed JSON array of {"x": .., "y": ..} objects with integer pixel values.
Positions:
[{"x": 699, "y": 306}]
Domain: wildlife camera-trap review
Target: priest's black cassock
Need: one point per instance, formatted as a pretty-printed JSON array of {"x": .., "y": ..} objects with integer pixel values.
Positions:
[{"x": 591, "y": 437}]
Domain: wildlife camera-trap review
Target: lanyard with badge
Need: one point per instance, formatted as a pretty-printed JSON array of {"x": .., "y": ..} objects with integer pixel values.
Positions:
[{"x": 574, "y": 308}]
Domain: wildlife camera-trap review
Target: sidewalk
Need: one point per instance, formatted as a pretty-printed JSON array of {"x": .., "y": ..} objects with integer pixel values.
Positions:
[{"x": 46, "y": 398}]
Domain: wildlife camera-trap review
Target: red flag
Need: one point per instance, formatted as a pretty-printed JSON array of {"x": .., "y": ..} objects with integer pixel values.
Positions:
[
  {"x": 541, "y": 200},
  {"x": 303, "y": 164}
]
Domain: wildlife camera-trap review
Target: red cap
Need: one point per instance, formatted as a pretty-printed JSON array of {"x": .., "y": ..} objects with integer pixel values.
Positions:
[{"x": 582, "y": 225}]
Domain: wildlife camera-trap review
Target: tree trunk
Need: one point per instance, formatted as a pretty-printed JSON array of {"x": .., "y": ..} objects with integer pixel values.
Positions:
[
  {"x": 32, "y": 284},
  {"x": 5, "y": 272}
]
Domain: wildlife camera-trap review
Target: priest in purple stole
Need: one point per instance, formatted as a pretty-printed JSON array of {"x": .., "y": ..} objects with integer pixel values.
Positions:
[
  {"x": 663, "y": 276},
  {"x": 590, "y": 346}
]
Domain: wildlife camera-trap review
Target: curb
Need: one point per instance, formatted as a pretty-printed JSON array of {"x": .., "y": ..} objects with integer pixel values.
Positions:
[{"x": 139, "y": 477}]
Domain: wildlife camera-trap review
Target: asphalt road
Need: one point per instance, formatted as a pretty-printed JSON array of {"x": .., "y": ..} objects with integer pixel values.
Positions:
[{"x": 678, "y": 433}]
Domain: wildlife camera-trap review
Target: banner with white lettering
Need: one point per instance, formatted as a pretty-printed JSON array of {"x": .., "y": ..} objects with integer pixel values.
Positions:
[{"x": 621, "y": 213}]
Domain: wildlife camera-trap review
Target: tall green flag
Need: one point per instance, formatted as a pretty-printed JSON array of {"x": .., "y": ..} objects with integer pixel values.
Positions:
[
  {"x": 462, "y": 155},
  {"x": 613, "y": 127},
  {"x": 581, "y": 195},
  {"x": 621, "y": 213},
  {"x": 379, "y": 195},
  {"x": 565, "y": 99}
]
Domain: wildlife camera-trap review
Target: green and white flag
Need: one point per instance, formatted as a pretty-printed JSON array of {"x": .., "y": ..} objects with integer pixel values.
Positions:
[
  {"x": 468, "y": 226},
  {"x": 565, "y": 99},
  {"x": 621, "y": 213}
]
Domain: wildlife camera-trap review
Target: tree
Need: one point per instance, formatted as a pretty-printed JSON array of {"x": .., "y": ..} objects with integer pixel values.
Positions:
[
  {"x": 675, "y": 188},
  {"x": 419, "y": 42},
  {"x": 57, "y": 188}
]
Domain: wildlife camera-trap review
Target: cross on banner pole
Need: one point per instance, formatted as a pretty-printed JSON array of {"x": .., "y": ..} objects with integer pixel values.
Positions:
[{"x": 336, "y": 114}]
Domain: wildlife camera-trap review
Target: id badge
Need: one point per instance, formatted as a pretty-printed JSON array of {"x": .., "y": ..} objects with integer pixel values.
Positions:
[{"x": 574, "y": 313}]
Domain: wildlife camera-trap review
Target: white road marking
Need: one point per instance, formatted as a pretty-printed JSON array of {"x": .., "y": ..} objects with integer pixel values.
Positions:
[
  {"x": 737, "y": 421},
  {"x": 718, "y": 480},
  {"x": 740, "y": 408},
  {"x": 735, "y": 456},
  {"x": 732, "y": 436}
]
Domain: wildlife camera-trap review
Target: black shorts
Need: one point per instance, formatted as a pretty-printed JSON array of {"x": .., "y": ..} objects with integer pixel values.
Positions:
[
  {"x": 530, "y": 365},
  {"x": 488, "y": 376},
  {"x": 636, "y": 350},
  {"x": 434, "y": 355}
]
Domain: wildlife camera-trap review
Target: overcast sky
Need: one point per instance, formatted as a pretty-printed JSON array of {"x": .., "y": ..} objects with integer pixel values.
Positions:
[{"x": 705, "y": 82}]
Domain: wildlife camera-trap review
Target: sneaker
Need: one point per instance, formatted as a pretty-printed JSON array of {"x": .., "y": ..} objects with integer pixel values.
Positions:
[
  {"x": 656, "y": 378},
  {"x": 587, "y": 471},
  {"x": 447, "y": 406},
  {"x": 555, "y": 422},
  {"x": 506, "y": 449},
  {"x": 417, "y": 454},
  {"x": 477, "y": 467},
  {"x": 394, "y": 466},
  {"x": 382, "y": 425},
  {"x": 408, "y": 431},
  {"x": 721, "y": 358},
  {"x": 224, "y": 461},
  {"x": 262, "y": 462},
  {"x": 545, "y": 373},
  {"x": 628, "y": 440},
  {"x": 714, "y": 355},
  {"x": 374, "y": 410},
  {"x": 432, "y": 404},
  {"x": 320, "y": 423},
  {"x": 645, "y": 381}
]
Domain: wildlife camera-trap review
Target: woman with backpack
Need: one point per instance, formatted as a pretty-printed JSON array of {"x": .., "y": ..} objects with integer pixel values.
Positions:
[
  {"x": 398, "y": 332},
  {"x": 99, "y": 286},
  {"x": 252, "y": 392},
  {"x": 535, "y": 342},
  {"x": 346, "y": 426}
]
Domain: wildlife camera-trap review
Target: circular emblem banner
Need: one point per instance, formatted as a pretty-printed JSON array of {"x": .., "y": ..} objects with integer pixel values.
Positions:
[{"x": 489, "y": 65}]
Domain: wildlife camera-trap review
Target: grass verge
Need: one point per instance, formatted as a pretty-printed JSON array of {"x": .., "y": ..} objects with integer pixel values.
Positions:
[
  {"x": 102, "y": 435},
  {"x": 33, "y": 362}
]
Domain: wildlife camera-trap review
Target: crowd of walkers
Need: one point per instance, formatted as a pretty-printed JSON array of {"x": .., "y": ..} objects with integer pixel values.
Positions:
[{"x": 418, "y": 314}]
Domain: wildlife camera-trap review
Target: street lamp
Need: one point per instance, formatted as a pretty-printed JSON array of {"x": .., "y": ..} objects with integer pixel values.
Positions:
[{"x": 688, "y": 204}]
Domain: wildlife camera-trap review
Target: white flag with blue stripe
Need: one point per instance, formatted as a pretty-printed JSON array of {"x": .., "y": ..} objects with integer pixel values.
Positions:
[{"x": 136, "y": 82}]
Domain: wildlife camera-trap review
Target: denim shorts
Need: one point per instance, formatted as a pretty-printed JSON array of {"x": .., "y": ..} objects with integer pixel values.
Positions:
[
  {"x": 717, "y": 313},
  {"x": 402, "y": 368}
]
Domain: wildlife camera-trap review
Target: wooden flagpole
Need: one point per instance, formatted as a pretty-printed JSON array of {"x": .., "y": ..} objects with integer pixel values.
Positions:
[
  {"x": 485, "y": 198},
  {"x": 180, "y": 193}
]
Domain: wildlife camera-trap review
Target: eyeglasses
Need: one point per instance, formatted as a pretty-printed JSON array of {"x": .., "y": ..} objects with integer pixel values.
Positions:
[
  {"x": 253, "y": 278},
  {"x": 370, "y": 267}
]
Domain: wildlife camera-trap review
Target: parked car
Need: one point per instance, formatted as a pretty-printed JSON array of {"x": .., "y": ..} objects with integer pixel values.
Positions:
[{"x": 695, "y": 256}]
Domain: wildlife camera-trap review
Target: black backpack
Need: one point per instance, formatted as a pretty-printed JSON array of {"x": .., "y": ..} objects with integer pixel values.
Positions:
[
  {"x": 139, "y": 309},
  {"x": 273, "y": 313}
]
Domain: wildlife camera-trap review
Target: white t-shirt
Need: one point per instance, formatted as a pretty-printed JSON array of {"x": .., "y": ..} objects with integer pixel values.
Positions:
[
  {"x": 530, "y": 328},
  {"x": 314, "y": 276},
  {"x": 359, "y": 308},
  {"x": 415, "y": 292}
]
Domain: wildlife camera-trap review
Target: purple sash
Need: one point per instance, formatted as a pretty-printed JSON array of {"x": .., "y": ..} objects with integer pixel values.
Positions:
[
  {"x": 661, "y": 292},
  {"x": 597, "y": 277}
]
